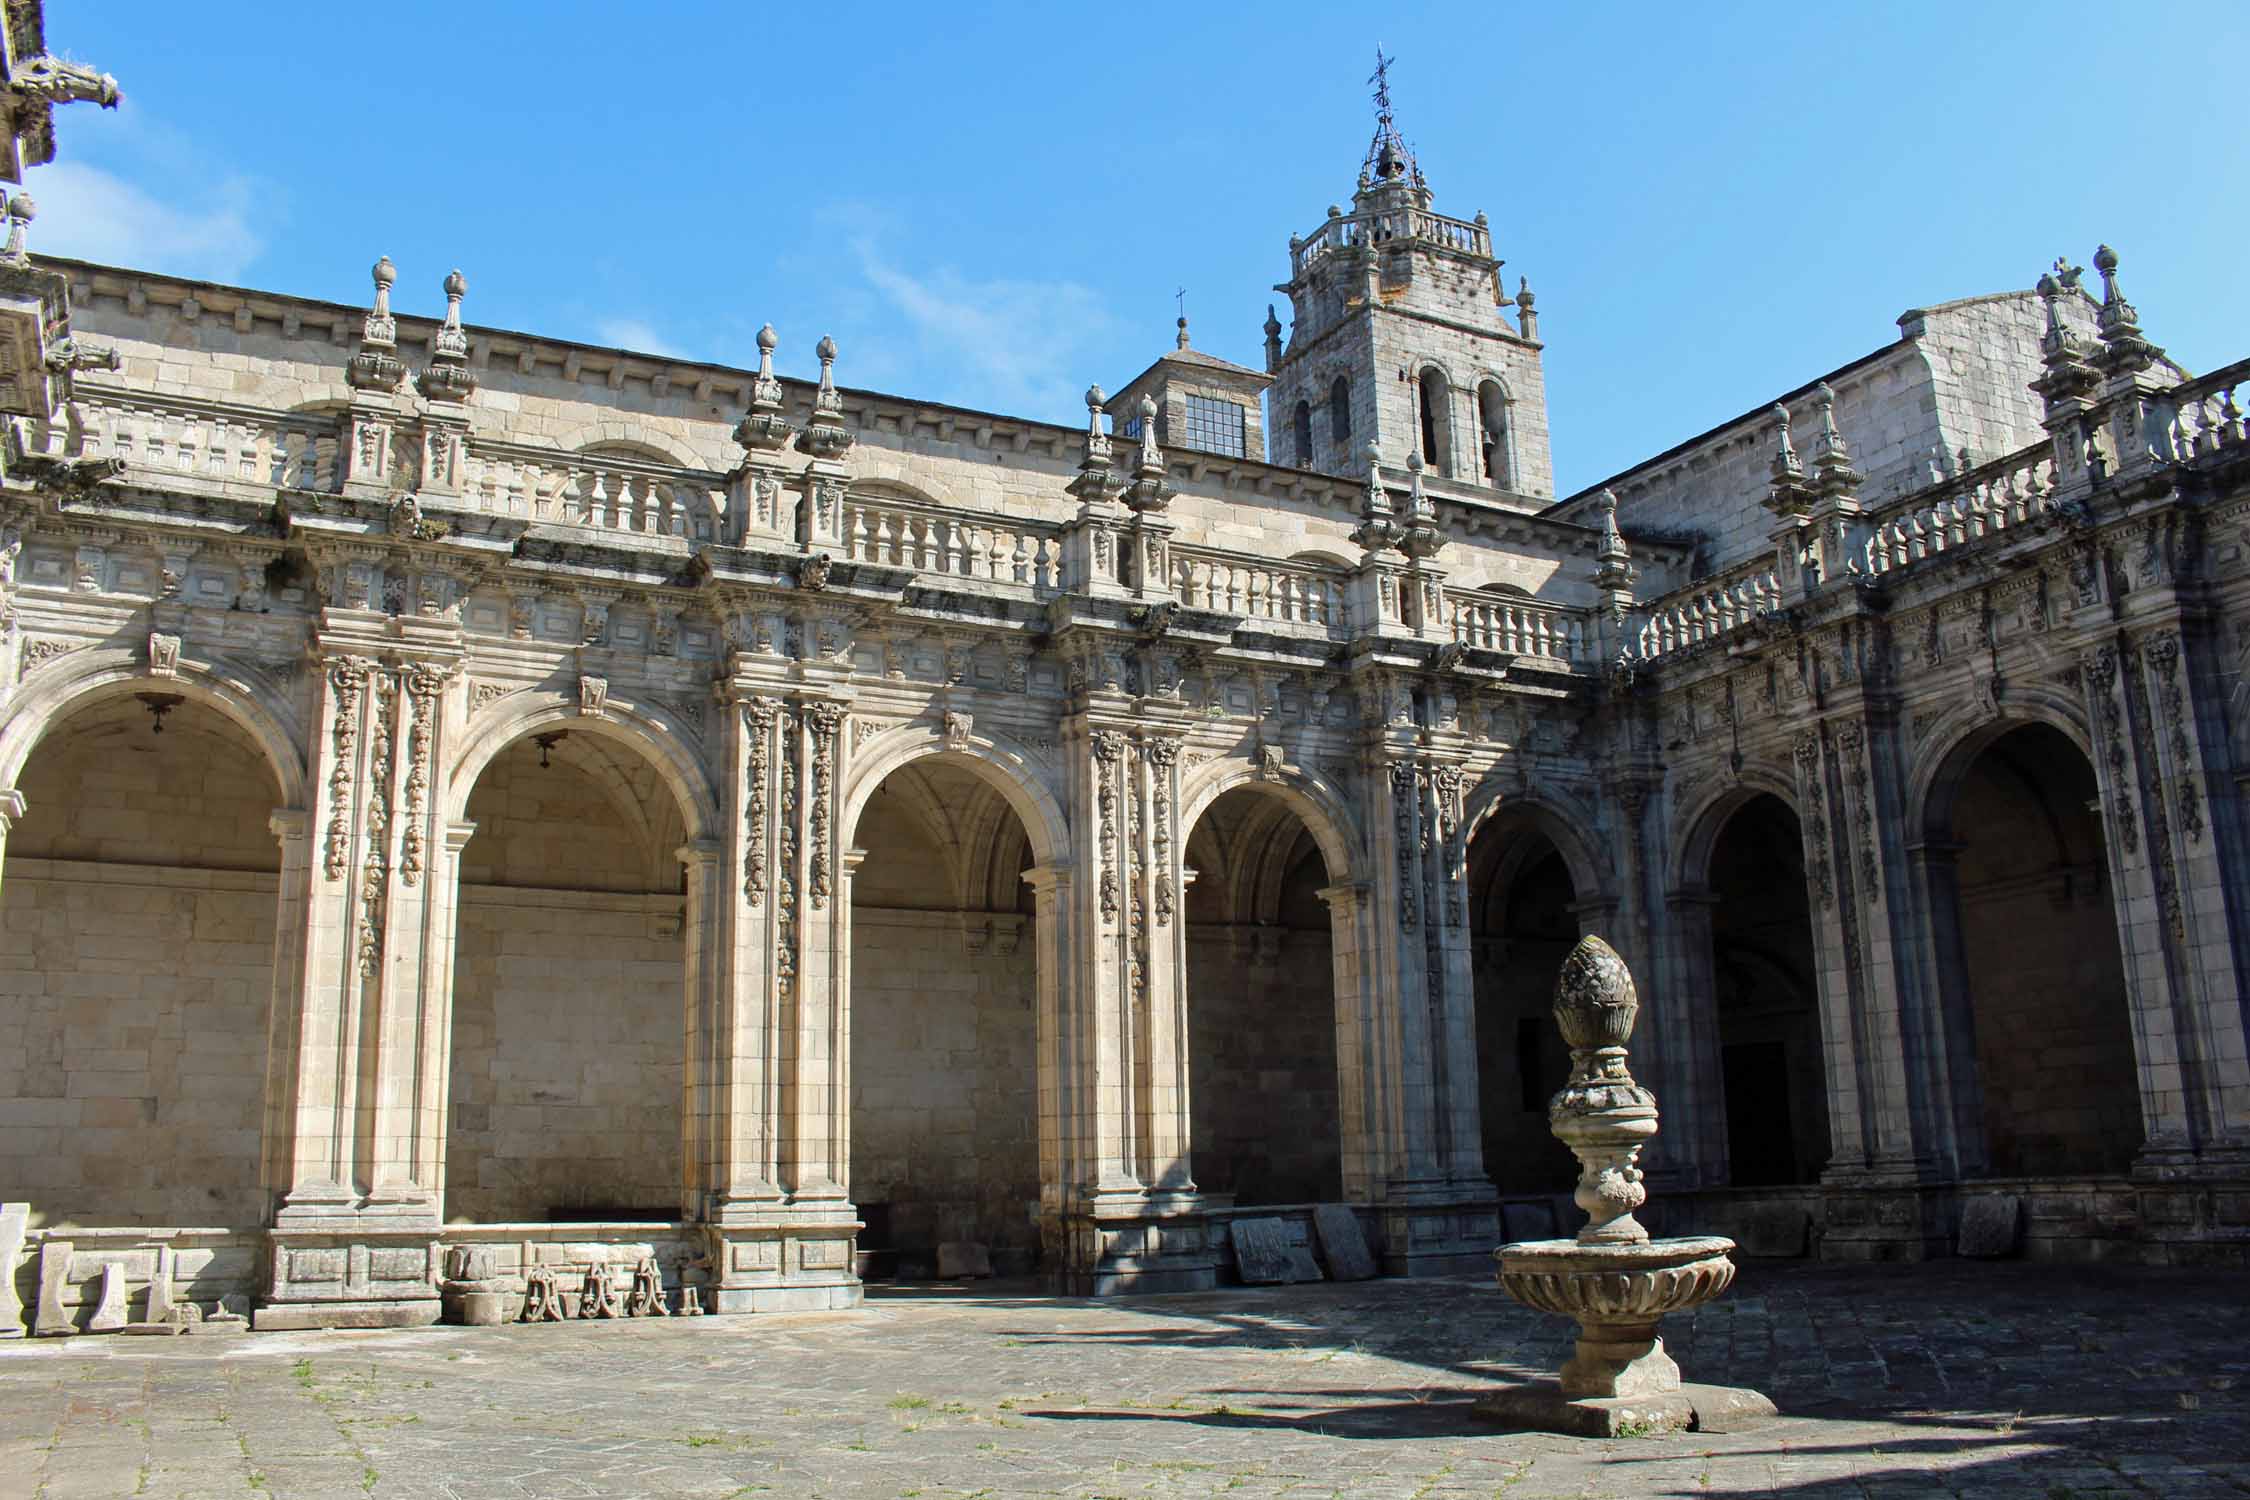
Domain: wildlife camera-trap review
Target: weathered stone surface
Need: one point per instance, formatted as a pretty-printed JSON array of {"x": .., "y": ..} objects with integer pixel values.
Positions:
[
  {"x": 109, "y": 1312},
  {"x": 1261, "y": 1252},
  {"x": 1343, "y": 1244},
  {"x": 957, "y": 1259},
  {"x": 1680, "y": 1408},
  {"x": 1991, "y": 1224},
  {"x": 13, "y": 1218},
  {"x": 54, "y": 1279},
  {"x": 160, "y": 1300}
]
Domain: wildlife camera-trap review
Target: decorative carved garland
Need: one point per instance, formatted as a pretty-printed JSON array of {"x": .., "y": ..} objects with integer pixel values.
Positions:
[
  {"x": 758, "y": 715},
  {"x": 822, "y": 720},
  {"x": 347, "y": 676},
  {"x": 423, "y": 685},
  {"x": 1109, "y": 749}
]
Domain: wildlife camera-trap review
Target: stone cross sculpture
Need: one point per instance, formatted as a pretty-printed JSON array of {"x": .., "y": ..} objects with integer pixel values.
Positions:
[{"x": 1613, "y": 1279}]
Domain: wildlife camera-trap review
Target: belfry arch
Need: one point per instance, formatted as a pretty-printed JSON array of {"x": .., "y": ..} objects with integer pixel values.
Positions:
[{"x": 2038, "y": 1015}]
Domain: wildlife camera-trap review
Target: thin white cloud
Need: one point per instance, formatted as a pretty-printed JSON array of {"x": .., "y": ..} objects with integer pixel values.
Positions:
[
  {"x": 637, "y": 335},
  {"x": 1016, "y": 346},
  {"x": 96, "y": 215}
]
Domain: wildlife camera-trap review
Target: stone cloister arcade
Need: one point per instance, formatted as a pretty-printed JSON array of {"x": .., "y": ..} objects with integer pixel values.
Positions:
[{"x": 517, "y": 809}]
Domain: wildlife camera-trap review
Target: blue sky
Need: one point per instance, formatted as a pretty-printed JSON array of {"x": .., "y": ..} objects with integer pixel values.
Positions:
[{"x": 994, "y": 206}]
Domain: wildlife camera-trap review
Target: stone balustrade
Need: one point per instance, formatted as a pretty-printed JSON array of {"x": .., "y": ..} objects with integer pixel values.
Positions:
[
  {"x": 1295, "y": 598},
  {"x": 2204, "y": 418},
  {"x": 1348, "y": 231},
  {"x": 2008, "y": 492},
  {"x": 598, "y": 493},
  {"x": 193, "y": 439},
  {"x": 986, "y": 549},
  {"x": 1712, "y": 608},
  {"x": 1517, "y": 626}
]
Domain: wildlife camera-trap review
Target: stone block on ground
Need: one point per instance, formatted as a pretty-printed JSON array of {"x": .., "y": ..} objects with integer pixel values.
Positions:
[
  {"x": 14, "y": 1217},
  {"x": 1542, "y": 1407},
  {"x": 1990, "y": 1225},
  {"x": 54, "y": 1277},
  {"x": 109, "y": 1311},
  {"x": 1261, "y": 1252},
  {"x": 1341, "y": 1241},
  {"x": 962, "y": 1258},
  {"x": 160, "y": 1300}
]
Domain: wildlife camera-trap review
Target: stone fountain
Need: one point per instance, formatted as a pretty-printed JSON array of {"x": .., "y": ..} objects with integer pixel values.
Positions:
[{"x": 1613, "y": 1279}]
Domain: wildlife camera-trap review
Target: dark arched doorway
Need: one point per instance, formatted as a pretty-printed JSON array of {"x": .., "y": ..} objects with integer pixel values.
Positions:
[
  {"x": 1766, "y": 997},
  {"x": 1523, "y": 921}
]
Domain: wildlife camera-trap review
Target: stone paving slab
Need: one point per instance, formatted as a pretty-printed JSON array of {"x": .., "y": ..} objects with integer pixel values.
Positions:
[{"x": 1956, "y": 1378}]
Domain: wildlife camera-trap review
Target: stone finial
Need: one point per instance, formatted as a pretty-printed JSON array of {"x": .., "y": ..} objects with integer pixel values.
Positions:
[
  {"x": 1376, "y": 530},
  {"x": 1148, "y": 493},
  {"x": 1785, "y": 460},
  {"x": 1613, "y": 540},
  {"x": 1602, "y": 1114},
  {"x": 1273, "y": 339},
  {"x": 21, "y": 211},
  {"x": 1097, "y": 439},
  {"x": 1527, "y": 303},
  {"x": 1419, "y": 538},
  {"x": 826, "y": 436},
  {"x": 448, "y": 377},
  {"x": 1182, "y": 340},
  {"x": 764, "y": 429},
  {"x": 375, "y": 365},
  {"x": 2120, "y": 325},
  {"x": 2068, "y": 376},
  {"x": 381, "y": 329},
  {"x": 1832, "y": 456},
  {"x": 1152, "y": 456}
]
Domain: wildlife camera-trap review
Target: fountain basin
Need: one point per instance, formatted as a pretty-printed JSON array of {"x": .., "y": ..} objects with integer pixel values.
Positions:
[{"x": 1617, "y": 1294}]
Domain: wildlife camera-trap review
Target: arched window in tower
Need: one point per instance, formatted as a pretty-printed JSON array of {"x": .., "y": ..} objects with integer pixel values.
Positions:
[
  {"x": 1492, "y": 416},
  {"x": 1340, "y": 411},
  {"x": 1302, "y": 429},
  {"x": 1437, "y": 421}
]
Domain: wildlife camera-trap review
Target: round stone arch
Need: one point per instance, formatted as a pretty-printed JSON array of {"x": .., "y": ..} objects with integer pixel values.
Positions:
[
  {"x": 1002, "y": 767},
  {"x": 656, "y": 445},
  {"x": 523, "y": 713},
  {"x": 1951, "y": 747},
  {"x": 64, "y": 687},
  {"x": 1310, "y": 795},
  {"x": 1696, "y": 833},
  {"x": 1558, "y": 820}
]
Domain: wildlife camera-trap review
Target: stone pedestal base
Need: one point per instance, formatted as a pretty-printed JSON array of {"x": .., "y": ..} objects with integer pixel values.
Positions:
[
  {"x": 1687, "y": 1408},
  {"x": 1618, "y": 1360},
  {"x": 1133, "y": 1247},
  {"x": 790, "y": 1260}
]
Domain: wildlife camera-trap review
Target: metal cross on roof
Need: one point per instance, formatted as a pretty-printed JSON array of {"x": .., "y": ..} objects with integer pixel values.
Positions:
[{"x": 1381, "y": 78}]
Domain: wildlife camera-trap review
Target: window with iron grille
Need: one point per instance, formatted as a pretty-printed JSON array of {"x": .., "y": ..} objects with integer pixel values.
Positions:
[{"x": 1215, "y": 426}]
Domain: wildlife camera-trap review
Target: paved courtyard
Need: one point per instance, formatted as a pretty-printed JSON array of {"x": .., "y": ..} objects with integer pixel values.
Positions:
[{"x": 1955, "y": 1378}]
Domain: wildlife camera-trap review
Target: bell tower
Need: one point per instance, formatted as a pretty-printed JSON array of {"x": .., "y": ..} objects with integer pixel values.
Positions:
[{"x": 1403, "y": 335}]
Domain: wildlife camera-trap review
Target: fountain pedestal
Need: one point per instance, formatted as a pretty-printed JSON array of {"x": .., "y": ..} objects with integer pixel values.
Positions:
[{"x": 1613, "y": 1279}]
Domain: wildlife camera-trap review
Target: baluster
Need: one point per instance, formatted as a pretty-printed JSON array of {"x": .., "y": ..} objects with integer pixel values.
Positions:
[{"x": 2230, "y": 419}]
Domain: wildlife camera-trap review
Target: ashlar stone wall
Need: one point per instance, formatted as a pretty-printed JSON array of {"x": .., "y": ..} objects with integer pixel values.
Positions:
[
  {"x": 136, "y": 968},
  {"x": 568, "y": 1017}
]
